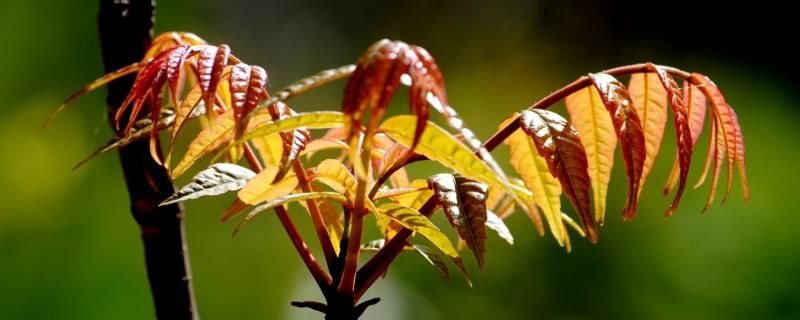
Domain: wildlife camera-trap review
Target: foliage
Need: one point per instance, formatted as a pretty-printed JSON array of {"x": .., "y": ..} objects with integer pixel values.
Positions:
[{"x": 550, "y": 153}]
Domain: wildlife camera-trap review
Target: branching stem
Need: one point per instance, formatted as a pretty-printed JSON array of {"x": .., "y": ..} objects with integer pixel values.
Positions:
[{"x": 382, "y": 259}]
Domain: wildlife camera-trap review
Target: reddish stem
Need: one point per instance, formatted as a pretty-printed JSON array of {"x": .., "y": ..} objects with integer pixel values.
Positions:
[
  {"x": 322, "y": 278},
  {"x": 316, "y": 216},
  {"x": 383, "y": 258}
]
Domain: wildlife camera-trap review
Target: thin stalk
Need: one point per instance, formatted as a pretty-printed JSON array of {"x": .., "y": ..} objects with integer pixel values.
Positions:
[
  {"x": 316, "y": 216},
  {"x": 322, "y": 278},
  {"x": 378, "y": 264}
]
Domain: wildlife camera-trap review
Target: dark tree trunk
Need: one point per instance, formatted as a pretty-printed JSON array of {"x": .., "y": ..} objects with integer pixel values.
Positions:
[{"x": 125, "y": 28}]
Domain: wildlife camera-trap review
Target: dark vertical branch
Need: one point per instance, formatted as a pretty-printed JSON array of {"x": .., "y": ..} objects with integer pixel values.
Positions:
[{"x": 125, "y": 28}]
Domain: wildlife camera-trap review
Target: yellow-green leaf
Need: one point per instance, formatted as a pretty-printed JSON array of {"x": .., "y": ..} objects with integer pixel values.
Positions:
[
  {"x": 440, "y": 146},
  {"x": 221, "y": 131},
  {"x": 335, "y": 175}
]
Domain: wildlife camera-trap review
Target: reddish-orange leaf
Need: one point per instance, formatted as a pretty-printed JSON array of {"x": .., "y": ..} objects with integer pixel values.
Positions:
[
  {"x": 628, "y": 128},
  {"x": 293, "y": 141},
  {"x": 650, "y": 101},
  {"x": 142, "y": 88},
  {"x": 740, "y": 156},
  {"x": 247, "y": 86},
  {"x": 695, "y": 103},
  {"x": 379, "y": 72},
  {"x": 710, "y": 152},
  {"x": 726, "y": 123},
  {"x": 173, "y": 70},
  {"x": 560, "y": 145},
  {"x": 719, "y": 156},
  {"x": 210, "y": 64},
  {"x": 683, "y": 134}
]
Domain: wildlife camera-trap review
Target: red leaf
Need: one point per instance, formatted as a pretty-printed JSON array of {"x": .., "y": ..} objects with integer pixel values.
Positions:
[
  {"x": 728, "y": 126},
  {"x": 294, "y": 142},
  {"x": 683, "y": 133},
  {"x": 560, "y": 145},
  {"x": 210, "y": 64},
  {"x": 377, "y": 76},
  {"x": 628, "y": 128},
  {"x": 247, "y": 85}
]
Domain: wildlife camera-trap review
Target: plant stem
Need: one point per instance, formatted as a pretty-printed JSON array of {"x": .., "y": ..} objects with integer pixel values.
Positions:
[
  {"x": 322, "y": 278},
  {"x": 125, "y": 33},
  {"x": 316, "y": 216},
  {"x": 382, "y": 259}
]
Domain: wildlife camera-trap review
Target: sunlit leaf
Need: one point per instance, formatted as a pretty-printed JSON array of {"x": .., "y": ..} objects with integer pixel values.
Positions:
[
  {"x": 247, "y": 86},
  {"x": 731, "y": 131},
  {"x": 294, "y": 141},
  {"x": 590, "y": 117},
  {"x": 464, "y": 203},
  {"x": 218, "y": 179},
  {"x": 210, "y": 65},
  {"x": 696, "y": 107},
  {"x": 495, "y": 223},
  {"x": 683, "y": 134},
  {"x": 650, "y": 101},
  {"x": 270, "y": 147},
  {"x": 260, "y": 189},
  {"x": 628, "y": 128},
  {"x": 221, "y": 131},
  {"x": 438, "y": 145},
  {"x": 535, "y": 173},
  {"x": 336, "y": 176},
  {"x": 560, "y": 145}
]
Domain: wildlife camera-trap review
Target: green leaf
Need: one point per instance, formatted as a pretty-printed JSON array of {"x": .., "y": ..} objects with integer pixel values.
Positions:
[{"x": 218, "y": 179}]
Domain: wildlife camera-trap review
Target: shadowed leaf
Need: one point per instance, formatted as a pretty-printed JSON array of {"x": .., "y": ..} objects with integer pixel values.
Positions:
[
  {"x": 415, "y": 221},
  {"x": 464, "y": 203},
  {"x": 286, "y": 200}
]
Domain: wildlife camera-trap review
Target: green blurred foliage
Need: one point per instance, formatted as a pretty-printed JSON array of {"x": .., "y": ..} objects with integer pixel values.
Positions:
[{"x": 69, "y": 248}]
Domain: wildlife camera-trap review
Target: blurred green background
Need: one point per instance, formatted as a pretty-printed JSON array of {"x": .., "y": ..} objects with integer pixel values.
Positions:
[{"x": 69, "y": 249}]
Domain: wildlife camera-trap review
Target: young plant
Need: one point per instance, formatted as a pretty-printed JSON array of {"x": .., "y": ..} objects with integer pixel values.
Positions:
[{"x": 367, "y": 179}]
